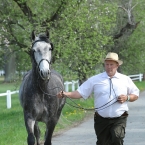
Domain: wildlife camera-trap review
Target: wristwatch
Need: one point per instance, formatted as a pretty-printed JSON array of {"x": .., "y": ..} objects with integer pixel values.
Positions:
[{"x": 128, "y": 98}]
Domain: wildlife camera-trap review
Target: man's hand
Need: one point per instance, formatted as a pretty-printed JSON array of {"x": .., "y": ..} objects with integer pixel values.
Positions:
[
  {"x": 122, "y": 98},
  {"x": 60, "y": 94}
]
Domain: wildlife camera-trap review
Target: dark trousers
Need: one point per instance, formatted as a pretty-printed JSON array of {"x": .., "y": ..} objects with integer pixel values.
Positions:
[{"x": 110, "y": 131}]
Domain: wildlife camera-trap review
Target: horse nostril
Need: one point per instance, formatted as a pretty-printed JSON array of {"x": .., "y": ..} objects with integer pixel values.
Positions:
[
  {"x": 41, "y": 73},
  {"x": 48, "y": 72},
  {"x": 44, "y": 74}
]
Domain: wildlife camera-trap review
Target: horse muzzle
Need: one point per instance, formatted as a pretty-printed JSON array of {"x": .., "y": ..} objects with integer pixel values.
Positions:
[
  {"x": 44, "y": 69},
  {"x": 45, "y": 75}
]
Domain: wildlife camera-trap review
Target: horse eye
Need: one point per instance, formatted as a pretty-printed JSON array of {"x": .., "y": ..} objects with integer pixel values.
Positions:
[{"x": 33, "y": 50}]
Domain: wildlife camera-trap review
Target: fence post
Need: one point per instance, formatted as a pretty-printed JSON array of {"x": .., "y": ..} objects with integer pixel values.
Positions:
[
  {"x": 8, "y": 99},
  {"x": 73, "y": 85},
  {"x": 66, "y": 86},
  {"x": 78, "y": 84},
  {"x": 140, "y": 77}
]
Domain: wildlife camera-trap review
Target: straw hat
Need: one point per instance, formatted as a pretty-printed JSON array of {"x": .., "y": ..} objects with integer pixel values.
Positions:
[{"x": 113, "y": 56}]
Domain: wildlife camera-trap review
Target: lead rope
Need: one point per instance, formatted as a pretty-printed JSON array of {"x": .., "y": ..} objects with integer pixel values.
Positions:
[
  {"x": 79, "y": 107},
  {"x": 101, "y": 107},
  {"x": 76, "y": 105}
]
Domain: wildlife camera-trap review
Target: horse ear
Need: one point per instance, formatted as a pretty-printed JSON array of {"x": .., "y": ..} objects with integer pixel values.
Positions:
[
  {"x": 47, "y": 33},
  {"x": 33, "y": 35}
]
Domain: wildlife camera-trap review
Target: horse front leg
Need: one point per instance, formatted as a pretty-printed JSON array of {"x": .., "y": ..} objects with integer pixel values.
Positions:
[
  {"x": 49, "y": 132},
  {"x": 29, "y": 123},
  {"x": 37, "y": 132}
]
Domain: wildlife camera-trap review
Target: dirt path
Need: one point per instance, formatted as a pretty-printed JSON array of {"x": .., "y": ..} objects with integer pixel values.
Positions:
[{"x": 84, "y": 134}]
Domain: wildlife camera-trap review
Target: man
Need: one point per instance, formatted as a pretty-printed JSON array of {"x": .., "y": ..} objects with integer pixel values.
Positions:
[{"x": 112, "y": 92}]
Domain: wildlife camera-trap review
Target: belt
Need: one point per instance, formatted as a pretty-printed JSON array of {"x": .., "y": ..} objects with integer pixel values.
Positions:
[{"x": 124, "y": 114}]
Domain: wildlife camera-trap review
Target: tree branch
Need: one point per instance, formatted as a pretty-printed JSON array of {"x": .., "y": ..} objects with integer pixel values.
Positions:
[
  {"x": 130, "y": 25},
  {"x": 55, "y": 16},
  {"x": 10, "y": 22},
  {"x": 15, "y": 39},
  {"x": 25, "y": 9},
  {"x": 125, "y": 29},
  {"x": 128, "y": 10},
  {"x": 59, "y": 10}
]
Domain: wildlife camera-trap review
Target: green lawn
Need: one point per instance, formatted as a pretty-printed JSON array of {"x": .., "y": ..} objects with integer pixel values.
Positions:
[
  {"x": 140, "y": 85},
  {"x": 13, "y": 130},
  {"x": 12, "y": 123}
]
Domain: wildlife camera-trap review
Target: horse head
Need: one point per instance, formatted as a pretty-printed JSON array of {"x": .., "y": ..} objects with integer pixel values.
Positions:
[{"x": 41, "y": 52}]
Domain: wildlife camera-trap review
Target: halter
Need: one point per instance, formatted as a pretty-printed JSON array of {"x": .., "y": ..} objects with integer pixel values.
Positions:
[
  {"x": 45, "y": 40},
  {"x": 49, "y": 62},
  {"x": 34, "y": 51}
]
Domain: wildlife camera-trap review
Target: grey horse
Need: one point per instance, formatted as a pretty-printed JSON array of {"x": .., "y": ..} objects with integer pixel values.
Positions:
[{"x": 38, "y": 91}]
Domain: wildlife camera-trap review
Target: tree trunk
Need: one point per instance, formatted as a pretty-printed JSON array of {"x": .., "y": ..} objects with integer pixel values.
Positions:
[
  {"x": 10, "y": 67},
  {"x": 144, "y": 77},
  {"x": 126, "y": 25}
]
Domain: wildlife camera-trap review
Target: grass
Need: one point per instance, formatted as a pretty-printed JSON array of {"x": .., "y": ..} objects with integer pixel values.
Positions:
[
  {"x": 12, "y": 123},
  {"x": 13, "y": 130},
  {"x": 140, "y": 85}
]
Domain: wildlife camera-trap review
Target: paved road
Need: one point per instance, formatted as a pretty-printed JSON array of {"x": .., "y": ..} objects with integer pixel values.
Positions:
[{"x": 84, "y": 133}]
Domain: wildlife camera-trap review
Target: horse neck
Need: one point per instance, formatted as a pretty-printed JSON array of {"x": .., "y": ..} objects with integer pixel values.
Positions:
[{"x": 36, "y": 79}]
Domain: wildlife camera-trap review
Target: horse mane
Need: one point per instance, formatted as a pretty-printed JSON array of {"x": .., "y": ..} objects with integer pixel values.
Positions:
[{"x": 44, "y": 37}]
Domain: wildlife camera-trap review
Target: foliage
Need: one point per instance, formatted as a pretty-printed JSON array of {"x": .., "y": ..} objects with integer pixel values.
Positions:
[
  {"x": 134, "y": 53},
  {"x": 81, "y": 44},
  {"x": 81, "y": 31},
  {"x": 130, "y": 45}
]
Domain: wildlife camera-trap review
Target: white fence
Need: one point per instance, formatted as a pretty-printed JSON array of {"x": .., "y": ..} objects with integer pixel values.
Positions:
[
  {"x": 2, "y": 72},
  {"x": 8, "y": 94},
  {"x": 68, "y": 85},
  {"x": 136, "y": 77},
  {"x": 73, "y": 85}
]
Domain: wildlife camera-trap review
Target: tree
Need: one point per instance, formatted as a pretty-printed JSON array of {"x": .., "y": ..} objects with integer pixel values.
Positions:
[
  {"x": 86, "y": 34},
  {"x": 125, "y": 28},
  {"x": 18, "y": 19},
  {"x": 134, "y": 61},
  {"x": 82, "y": 31}
]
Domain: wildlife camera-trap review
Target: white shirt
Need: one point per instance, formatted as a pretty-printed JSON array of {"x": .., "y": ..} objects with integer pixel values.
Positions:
[{"x": 104, "y": 93}]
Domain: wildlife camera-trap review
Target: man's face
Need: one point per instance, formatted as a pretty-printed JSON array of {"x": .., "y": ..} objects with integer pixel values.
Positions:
[{"x": 111, "y": 67}]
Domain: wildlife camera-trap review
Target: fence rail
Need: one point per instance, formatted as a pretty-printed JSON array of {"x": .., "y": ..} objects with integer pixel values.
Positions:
[
  {"x": 2, "y": 72},
  {"x": 8, "y": 96},
  {"x": 73, "y": 84},
  {"x": 136, "y": 77},
  {"x": 69, "y": 86}
]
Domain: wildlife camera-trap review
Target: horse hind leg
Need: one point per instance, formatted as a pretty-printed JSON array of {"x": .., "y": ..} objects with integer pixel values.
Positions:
[{"x": 37, "y": 133}]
